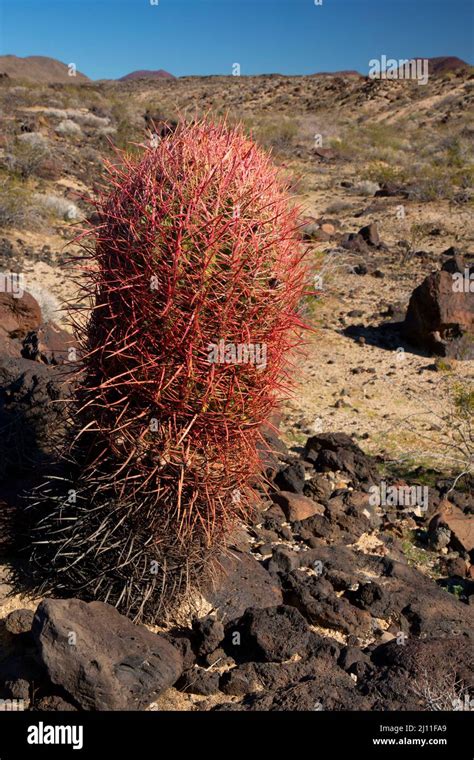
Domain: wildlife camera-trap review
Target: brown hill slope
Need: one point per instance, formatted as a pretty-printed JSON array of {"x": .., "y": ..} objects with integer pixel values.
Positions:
[{"x": 38, "y": 68}]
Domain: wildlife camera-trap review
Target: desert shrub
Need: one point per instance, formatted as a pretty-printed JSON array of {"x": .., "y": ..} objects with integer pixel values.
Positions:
[
  {"x": 57, "y": 206},
  {"x": 68, "y": 128},
  {"x": 18, "y": 207},
  {"x": 444, "y": 692},
  {"x": 278, "y": 134},
  {"x": 27, "y": 155},
  {"x": 452, "y": 448},
  {"x": 382, "y": 173}
]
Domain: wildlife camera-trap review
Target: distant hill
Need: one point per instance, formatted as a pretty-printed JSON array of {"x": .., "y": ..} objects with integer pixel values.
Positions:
[
  {"x": 344, "y": 73},
  {"x": 445, "y": 63},
  {"x": 145, "y": 74},
  {"x": 38, "y": 68}
]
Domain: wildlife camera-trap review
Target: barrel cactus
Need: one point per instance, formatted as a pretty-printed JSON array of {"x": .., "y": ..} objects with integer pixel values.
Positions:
[{"x": 196, "y": 274}]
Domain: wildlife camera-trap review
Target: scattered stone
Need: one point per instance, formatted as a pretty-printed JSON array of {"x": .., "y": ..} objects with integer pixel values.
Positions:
[
  {"x": 424, "y": 674},
  {"x": 327, "y": 154},
  {"x": 296, "y": 506},
  {"x": 320, "y": 606},
  {"x": 54, "y": 704},
  {"x": 48, "y": 344},
  {"x": 18, "y": 689},
  {"x": 199, "y": 681},
  {"x": 370, "y": 235},
  {"x": 19, "y": 621},
  {"x": 454, "y": 567},
  {"x": 391, "y": 189},
  {"x": 338, "y": 452},
  {"x": 284, "y": 559}
]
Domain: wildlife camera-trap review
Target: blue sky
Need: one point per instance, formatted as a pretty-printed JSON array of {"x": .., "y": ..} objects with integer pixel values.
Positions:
[{"x": 109, "y": 38}]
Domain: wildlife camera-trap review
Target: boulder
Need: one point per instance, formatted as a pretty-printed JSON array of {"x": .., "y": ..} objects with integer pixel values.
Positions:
[
  {"x": 324, "y": 687},
  {"x": 440, "y": 316},
  {"x": 274, "y": 634},
  {"x": 199, "y": 681},
  {"x": 254, "y": 677},
  {"x": 101, "y": 658},
  {"x": 19, "y": 315},
  {"x": 241, "y": 582},
  {"x": 421, "y": 606},
  {"x": 460, "y": 524}
]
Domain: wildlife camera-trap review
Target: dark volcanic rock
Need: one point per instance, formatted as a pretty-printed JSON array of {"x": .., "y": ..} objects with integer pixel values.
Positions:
[
  {"x": 291, "y": 478},
  {"x": 317, "y": 601},
  {"x": 101, "y": 658},
  {"x": 242, "y": 583},
  {"x": 274, "y": 634},
  {"x": 354, "y": 660},
  {"x": 371, "y": 596},
  {"x": 325, "y": 686},
  {"x": 209, "y": 633},
  {"x": 255, "y": 677},
  {"x": 199, "y": 681},
  {"x": 19, "y": 621},
  {"x": 54, "y": 703},
  {"x": 427, "y": 609},
  {"x": 370, "y": 234},
  {"x": 419, "y": 674},
  {"x": 48, "y": 344},
  {"x": 272, "y": 452},
  {"x": 338, "y": 452},
  {"x": 31, "y": 424},
  {"x": 296, "y": 506}
]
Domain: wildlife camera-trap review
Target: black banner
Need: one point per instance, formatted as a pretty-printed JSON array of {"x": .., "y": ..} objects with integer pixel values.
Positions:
[{"x": 132, "y": 735}]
